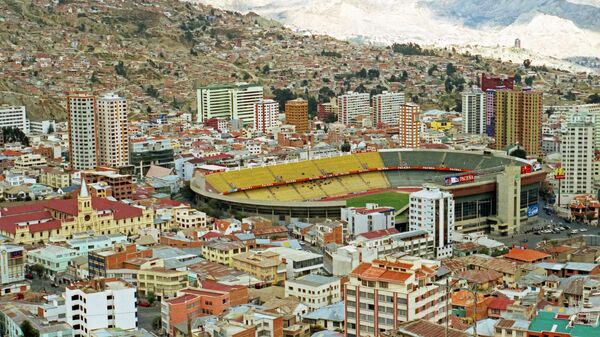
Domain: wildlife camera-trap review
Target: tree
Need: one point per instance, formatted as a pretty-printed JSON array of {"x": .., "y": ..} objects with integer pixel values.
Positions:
[
  {"x": 28, "y": 330},
  {"x": 517, "y": 78},
  {"x": 12, "y": 134},
  {"x": 362, "y": 73},
  {"x": 404, "y": 76},
  {"x": 373, "y": 73},
  {"x": 120, "y": 69},
  {"x": 38, "y": 269},
  {"x": 312, "y": 106},
  {"x": 141, "y": 27},
  {"x": 346, "y": 147},
  {"x": 570, "y": 96},
  {"x": 529, "y": 80},
  {"x": 361, "y": 88},
  {"x": 282, "y": 96},
  {"x": 157, "y": 323},
  {"x": 266, "y": 69},
  {"x": 432, "y": 69},
  {"x": 519, "y": 153},
  {"x": 331, "y": 118},
  {"x": 411, "y": 49},
  {"x": 450, "y": 69},
  {"x": 527, "y": 63},
  {"x": 151, "y": 297},
  {"x": 94, "y": 78},
  {"x": 592, "y": 99}
]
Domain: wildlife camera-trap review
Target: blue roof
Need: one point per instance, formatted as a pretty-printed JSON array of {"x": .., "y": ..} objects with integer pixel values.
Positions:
[
  {"x": 581, "y": 266},
  {"x": 333, "y": 312},
  {"x": 327, "y": 333},
  {"x": 485, "y": 327},
  {"x": 245, "y": 236}
]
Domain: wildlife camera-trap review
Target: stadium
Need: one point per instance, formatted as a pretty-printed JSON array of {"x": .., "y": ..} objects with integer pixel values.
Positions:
[{"x": 488, "y": 187}]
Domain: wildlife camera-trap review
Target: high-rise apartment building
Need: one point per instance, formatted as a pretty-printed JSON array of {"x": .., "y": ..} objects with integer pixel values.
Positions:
[
  {"x": 408, "y": 122},
  {"x": 81, "y": 113},
  {"x": 100, "y": 304},
  {"x": 228, "y": 101},
  {"x": 266, "y": 112},
  {"x": 351, "y": 105},
  {"x": 515, "y": 116},
  {"x": 14, "y": 117},
  {"x": 577, "y": 152},
  {"x": 296, "y": 113},
  {"x": 384, "y": 293},
  {"x": 113, "y": 133},
  {"x": 473, "y": 111},
  {"x": 387, "y": 107},
  {"x": 432, "y": 210}
]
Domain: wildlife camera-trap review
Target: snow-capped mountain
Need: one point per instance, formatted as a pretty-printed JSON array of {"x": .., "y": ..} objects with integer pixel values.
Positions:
[{"x": 550, "y": 28}]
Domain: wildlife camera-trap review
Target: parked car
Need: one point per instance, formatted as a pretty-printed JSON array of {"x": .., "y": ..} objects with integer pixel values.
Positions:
[
  {"x": 142, "y": 302},
  {"x": 29, "y": 276}
]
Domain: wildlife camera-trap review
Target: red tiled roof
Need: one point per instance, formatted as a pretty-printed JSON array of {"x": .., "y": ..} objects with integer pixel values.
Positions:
[
  {"x": 369, "y": 272},
  {"x": 380, "y": 233},
  {"x": 212, "y": 285},
  {"x": 525, "y": 255},
  {"x": 11, "y": 216},
  {"x": 500, "y": 303},
  {"x": 270, "y": 230},
  {"x": 181, "y": 299},
  {"x": 211, "y": 235}
]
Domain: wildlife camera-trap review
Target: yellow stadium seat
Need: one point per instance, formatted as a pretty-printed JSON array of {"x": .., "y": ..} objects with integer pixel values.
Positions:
[
  {"x": 370, "y": 159},
  {"x": 341, "y": 164},
  {"x": 291, "y": 171},
  {"x": 217, "y": 182}
]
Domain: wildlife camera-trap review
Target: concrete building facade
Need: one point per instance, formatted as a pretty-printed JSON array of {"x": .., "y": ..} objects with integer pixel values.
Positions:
[
  {"x": 228, "y": 101},
  {"x": 296, "y": 113},
  {"x": 473, "y": 111},
  {"x": 351, "y": 105},
  {"x": 386, "y": 292},
  {"x": 266, "y": 113},
  {"x": 82, "y": 120},
  {"x": 100, "y": 304},
  {"x": 113, "y": 131},
  {"x": 577, "y": 153},
  {"x": 387, "y": 107},
  {"x": 432, "y": 210},
  {"x": 15, "y": 117},
  {"x": 409, "y": 126}
]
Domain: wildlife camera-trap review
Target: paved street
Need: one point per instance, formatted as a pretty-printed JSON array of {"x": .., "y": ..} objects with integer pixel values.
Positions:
[
  {"x": 41, "y": 285},
  {"x": 532, "y": 239},
  {"x": 147, "y": 314}
]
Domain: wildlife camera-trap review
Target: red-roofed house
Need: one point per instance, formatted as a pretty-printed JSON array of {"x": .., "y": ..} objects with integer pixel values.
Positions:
[
  {"x": 31, "y": 223},
  {"x": 212, "y": 298},
  {"x": 525, "y": 255},
  {"x": 400, "y": 290},
  {"x": 497, "y": 306}
]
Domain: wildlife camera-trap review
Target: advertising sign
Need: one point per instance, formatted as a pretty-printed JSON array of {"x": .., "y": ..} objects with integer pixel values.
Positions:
[
  {"x": 533, "y": 210},
  {"x": 467, "y": 178},
  {"x": 559, "y": 173}
]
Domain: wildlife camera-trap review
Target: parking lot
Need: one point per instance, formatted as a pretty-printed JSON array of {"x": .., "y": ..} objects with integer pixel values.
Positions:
[{"x": 548, "y": 227}]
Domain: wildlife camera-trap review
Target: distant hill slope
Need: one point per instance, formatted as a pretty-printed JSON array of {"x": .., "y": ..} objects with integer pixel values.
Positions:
[
  {"x": 156, "y": 52},
  {"x": 556, "y": 28}
]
